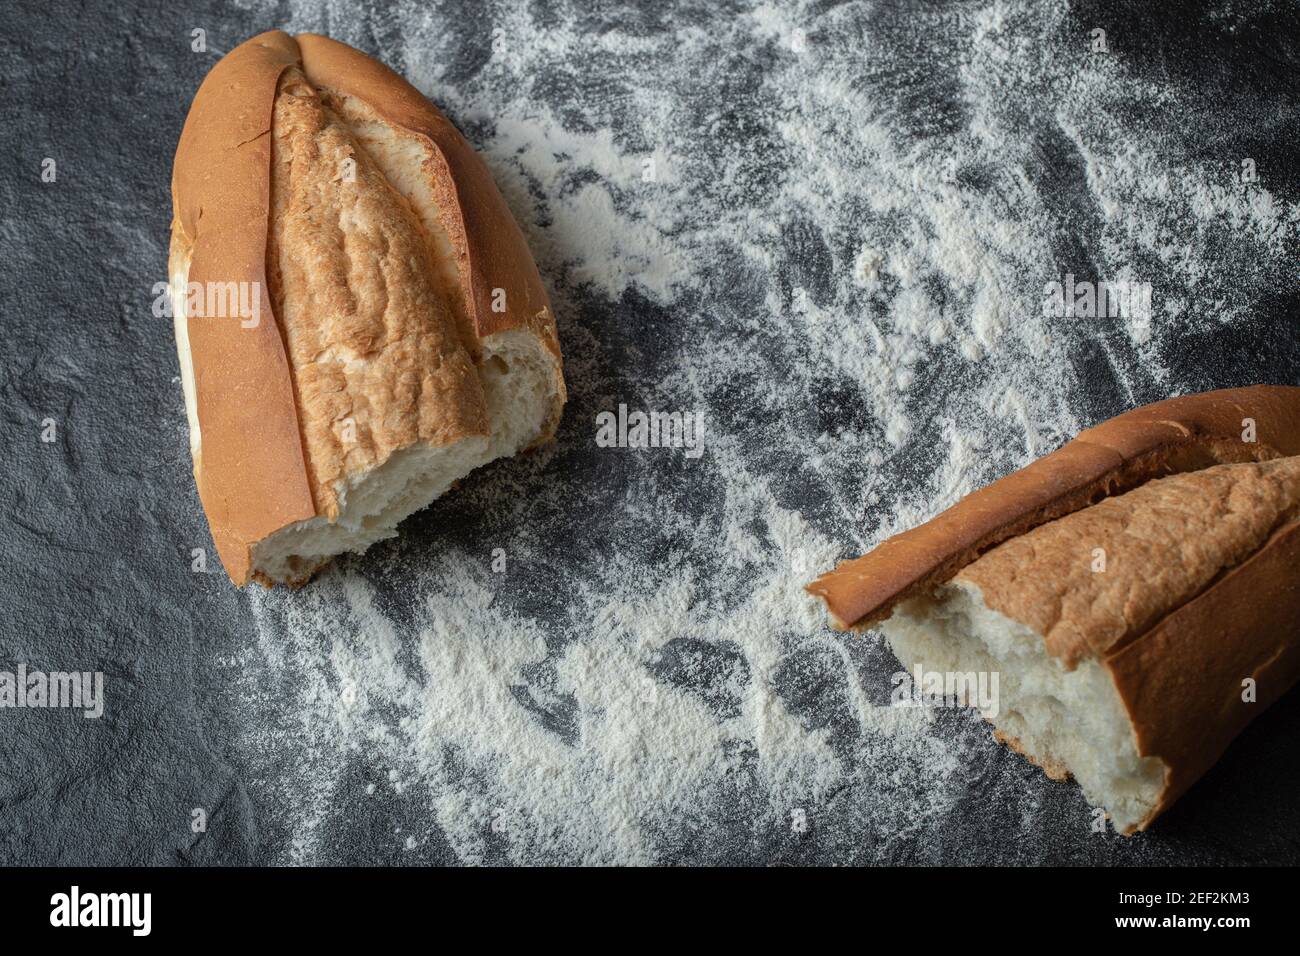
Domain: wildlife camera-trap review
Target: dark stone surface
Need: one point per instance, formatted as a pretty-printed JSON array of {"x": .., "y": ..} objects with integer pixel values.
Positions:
[{"x": 96, "y": 528}]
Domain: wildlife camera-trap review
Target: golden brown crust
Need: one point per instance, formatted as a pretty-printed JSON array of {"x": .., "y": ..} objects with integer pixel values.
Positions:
[
  {"x": 488, "y": 241},
  {"x": 1183, "y": 681},
  {"x": 253, "y": 473},
  {"x": 1176, "y": 435},
  {"x": 1096, "y": 579},
  {"x": 1200, "y": 590},
  {"x": 377, "y": 362}
]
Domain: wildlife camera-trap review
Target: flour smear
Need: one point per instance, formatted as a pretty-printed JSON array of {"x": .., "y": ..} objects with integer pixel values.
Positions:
[{"x": 829, "y": 232}]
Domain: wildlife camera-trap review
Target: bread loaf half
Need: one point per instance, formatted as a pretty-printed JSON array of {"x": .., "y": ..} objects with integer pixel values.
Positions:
[
  {"x": 1137, "y": 593},
  {"x": 359, "y": 321}
]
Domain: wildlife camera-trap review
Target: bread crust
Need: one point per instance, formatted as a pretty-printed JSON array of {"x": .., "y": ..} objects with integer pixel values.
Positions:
[
  {"x": 1095, "y": 580},
  {"x": 252, "y": 468},
  {"x": 1175, "y": 435},
  {"x": 377, "y": 362},
  {"x": 1198, "y": 594},
  {"x": 491, "y": 248},
  {"x": 1184, "y": 680},
  {"x": 1180, "y": 642}
]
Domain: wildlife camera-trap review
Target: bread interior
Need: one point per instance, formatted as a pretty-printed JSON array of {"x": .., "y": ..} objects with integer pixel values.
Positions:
[
  {"x": 1068, "y": 722},
  {"x": 371, "y": 507},
  {"x": 178, "y": 269}
]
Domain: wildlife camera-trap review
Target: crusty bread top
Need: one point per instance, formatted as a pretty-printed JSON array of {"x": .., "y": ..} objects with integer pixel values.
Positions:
[
  {"x": 261, "y": 465},
  {"x": 1175, "y": 435},
  {"x": 377, "y": 362},
  {"x": 1095, "y": 580},
  {"x": 493, "y": 251}
]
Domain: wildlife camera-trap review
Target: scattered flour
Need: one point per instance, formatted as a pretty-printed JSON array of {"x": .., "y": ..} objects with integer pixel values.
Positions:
[{"x": 843, "y": 267}]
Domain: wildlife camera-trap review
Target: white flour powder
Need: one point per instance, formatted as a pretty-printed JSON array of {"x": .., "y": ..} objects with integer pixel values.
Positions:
[{"x": 891, "y": 258}]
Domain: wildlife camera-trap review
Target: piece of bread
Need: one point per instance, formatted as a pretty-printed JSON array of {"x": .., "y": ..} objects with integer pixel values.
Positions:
[
  {"x": 1133, "y": 637},
  {"x": 395, "y": 333}
]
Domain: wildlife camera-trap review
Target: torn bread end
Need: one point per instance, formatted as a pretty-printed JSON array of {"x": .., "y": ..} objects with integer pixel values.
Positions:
[
  {"x": 1123, "y": 634},
  {"x": 1070, "y": 723},
  {"x": 519, "y": 389}
]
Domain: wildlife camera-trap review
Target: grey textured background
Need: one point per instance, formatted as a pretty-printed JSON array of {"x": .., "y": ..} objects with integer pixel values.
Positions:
[{"x": 95, "y": 531}]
